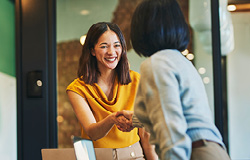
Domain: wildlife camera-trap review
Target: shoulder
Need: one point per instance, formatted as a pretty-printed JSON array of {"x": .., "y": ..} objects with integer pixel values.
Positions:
[
  {"x": 161, "y": 63},
  {"x": 166, "y": 55},
  {"x": 80, "y": 87},
  {"x": 167, "y": 60},
  {"x": 76, "y": 84},
  {"x": 146, "y": 67}
]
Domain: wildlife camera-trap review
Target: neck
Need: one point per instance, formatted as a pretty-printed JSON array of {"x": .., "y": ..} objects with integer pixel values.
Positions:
[
  {"x": 107, "y": 77},
  {"x": 106, "y": 82}
]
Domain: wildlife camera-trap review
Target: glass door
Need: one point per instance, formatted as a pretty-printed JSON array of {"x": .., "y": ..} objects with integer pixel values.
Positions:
[{"x": 74, "y": 18}]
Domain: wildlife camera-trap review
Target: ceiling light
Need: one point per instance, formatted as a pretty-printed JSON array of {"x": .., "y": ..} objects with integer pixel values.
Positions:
[
  {"x": 190, "y": 56},
  {"x": 231, "y": 7},
  {"x": 60, "y": 119},
  {"x": 84, "y": 12},
  {"x": 202, "y": 70},
  {"x": 206, "y": 80},
  {"x": 82, "y": 39},
  {"x": 185, "y": 52}
]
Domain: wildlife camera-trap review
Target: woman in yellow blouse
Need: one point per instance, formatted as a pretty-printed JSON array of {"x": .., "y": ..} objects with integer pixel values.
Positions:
[{"x": 104, "y": 86}]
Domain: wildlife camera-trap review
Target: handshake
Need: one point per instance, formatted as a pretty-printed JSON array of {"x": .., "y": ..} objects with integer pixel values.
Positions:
[
  {"x": 124, "y": 120},
  {"x": 127, "y": 121}
]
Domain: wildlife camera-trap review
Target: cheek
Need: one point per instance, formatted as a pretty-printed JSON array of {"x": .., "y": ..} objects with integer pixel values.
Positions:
[
  {"x": 119, "y": 52},
  {"x": 119, "y": 55}
]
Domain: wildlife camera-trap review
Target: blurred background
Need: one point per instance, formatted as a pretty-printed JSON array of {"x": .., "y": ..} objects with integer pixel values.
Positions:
[{"x": 73, "y": 19}]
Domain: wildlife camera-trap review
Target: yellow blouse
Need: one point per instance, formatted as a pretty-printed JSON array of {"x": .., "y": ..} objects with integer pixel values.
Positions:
[{"x": 123, "y": 99}]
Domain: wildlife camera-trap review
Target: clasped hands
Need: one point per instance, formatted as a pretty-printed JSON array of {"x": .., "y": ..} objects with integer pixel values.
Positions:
[{"x": 124, "y": 119}]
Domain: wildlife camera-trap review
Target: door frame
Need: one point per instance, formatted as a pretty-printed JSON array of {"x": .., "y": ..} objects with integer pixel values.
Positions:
[{"x": 36, "y": 53}]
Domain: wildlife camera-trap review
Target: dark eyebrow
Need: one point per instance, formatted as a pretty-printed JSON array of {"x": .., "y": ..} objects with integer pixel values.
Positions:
[{"x": 103, "y": 43}]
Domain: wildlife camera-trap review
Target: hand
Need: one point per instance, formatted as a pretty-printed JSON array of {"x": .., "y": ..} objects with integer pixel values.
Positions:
[
  {"x": 121, "y": 122},
  {"x": 125, "y": 113},
  {"x": 125, "y": 120},
  {"x": 124, "y": 124}
]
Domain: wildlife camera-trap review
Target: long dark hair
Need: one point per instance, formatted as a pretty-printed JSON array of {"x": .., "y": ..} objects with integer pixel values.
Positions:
[
  {"x": 87, "y": 69},
  {"x": 158, "y": 25}
]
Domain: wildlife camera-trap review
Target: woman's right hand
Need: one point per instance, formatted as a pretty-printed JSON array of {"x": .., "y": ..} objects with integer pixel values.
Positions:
[
  {"x": 124, "y": 119},
  {"x": 95, "y": 130}
]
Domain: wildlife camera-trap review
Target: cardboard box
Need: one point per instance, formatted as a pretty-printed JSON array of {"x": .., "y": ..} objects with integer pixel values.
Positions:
[{"x": 69, "y": 154}]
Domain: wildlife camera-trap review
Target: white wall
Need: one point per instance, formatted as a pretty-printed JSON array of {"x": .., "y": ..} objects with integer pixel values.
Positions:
[
  {"x": 8, "y": 132},
  {"x": 239, "y": 88}
]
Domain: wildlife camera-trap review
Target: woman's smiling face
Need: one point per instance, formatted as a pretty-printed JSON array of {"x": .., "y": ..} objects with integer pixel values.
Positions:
[{"x": 107, "y": 50}]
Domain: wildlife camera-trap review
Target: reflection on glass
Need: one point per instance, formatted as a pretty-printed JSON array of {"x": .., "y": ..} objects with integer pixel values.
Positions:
[
  {"x": 185, "y": 52},
  {"x": 82, "y": 39},
  {"x": 206, "y": 80},
  {"x": 231, "y": 8},
  {"x": 202, "y": 70},
  {"x": 190, "y": 56},
  {"x": 200, "y": 22}
]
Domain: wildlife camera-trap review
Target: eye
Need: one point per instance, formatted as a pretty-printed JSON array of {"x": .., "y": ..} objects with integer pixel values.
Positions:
[
  {"x": 117, "y": 45},
  {"x": 104, "y": 47}
]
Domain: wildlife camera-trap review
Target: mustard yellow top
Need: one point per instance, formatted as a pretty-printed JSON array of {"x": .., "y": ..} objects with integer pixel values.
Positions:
[{"x": 123, "y": 99}]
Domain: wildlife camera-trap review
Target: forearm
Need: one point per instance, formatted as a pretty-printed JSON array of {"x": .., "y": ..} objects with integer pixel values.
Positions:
[
  {"x": 100, "y": 129},
  {"x": 149, "y": 152},
  {"x": 95, "y": 130},
  {"x": 148, "y": 149}
]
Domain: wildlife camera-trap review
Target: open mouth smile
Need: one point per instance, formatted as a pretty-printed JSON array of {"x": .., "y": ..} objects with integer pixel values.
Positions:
[{"x": 110, "y": 59}]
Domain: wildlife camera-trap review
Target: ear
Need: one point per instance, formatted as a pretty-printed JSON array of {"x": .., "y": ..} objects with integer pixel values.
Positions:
[{"x": 92, "y": 52}]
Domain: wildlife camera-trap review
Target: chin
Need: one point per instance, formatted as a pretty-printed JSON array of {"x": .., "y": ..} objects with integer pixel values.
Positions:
[{"x": 112, "y": 66}]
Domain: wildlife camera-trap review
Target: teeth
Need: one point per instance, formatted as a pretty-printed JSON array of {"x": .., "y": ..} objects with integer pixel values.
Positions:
[{"x": 110, "y": 59}]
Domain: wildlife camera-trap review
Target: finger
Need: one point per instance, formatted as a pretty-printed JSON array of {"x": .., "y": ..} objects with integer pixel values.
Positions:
[
  {"x": 121, "y": 129},
  {"x": 121, "y": 124},
  {"x": 119, "y": 113}
]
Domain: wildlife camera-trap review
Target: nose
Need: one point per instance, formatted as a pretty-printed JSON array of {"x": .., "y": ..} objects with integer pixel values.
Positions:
[{"x": 111, "y": 50}]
